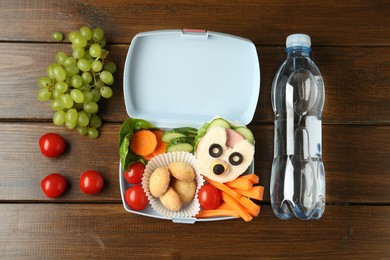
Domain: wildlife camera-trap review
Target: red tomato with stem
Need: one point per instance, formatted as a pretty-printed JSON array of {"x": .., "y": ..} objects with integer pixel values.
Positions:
[
  {"x": 209, "y": 197},
  {"x": 51, "y": 144},
  {"x": 135, "y": 173},
  {"x": 53, "y": 185},
  {"x": 91, "y": 182},
  {"x": 135, "y": 197}
]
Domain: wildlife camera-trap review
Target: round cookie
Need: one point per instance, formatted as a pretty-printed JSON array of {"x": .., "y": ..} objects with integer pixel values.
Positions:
[
  {"x": 185, "y": 190},
  {"x": 171, "y": 200},
  {"x": 182, "y": 171},
  {"x": 159, "y": 181}
]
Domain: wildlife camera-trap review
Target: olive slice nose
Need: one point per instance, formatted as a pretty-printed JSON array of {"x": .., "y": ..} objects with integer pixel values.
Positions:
[{"x": 218, "y": 169}]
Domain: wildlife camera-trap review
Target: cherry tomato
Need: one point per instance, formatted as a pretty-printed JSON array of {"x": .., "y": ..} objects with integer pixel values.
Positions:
[
  {"x": 209, "y": 197},
  {"x": 91, "y": 182},
  {"x": 53, "y": 185},
  {"x": 135, "y": 173},
  {"x": 136, "y": 198},
  {"x": 51, "y": 144}
]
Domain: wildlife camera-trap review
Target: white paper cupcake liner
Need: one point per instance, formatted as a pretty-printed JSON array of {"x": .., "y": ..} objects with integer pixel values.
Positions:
[{"x": 187, "y": 210}]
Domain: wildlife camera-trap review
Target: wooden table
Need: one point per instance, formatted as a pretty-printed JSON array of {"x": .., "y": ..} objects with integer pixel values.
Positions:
[{"x": 351, "y": 46}]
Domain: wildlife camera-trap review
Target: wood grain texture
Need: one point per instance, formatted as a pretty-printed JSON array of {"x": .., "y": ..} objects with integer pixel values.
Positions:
[
  {"x": 356, "y": 82},
  {"x": 107, "y": 231},
  {"x": 356, "y": 171},
  {"x": 265, "y": 22}
]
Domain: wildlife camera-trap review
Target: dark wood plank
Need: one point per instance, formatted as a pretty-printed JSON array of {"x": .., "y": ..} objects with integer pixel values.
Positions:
[
  {"x": 265, "y": 22},
  {"x": 356, "y": 171},
  {"x": 88, "y": 231},
  {"x": 356, "y": 82}
]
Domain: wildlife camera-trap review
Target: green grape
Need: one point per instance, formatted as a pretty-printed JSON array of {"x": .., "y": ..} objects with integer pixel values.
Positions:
[
  {"x": 59, "y": 117},
  {"x": 44, "y": 82},
  {"x": 57, "y": 36},
  {"x": 106, "y": 92},
  {"x": 76, "y": 81},
  {"x": 61, "y": 87},
  {"x": 56, "y": 105},
  {"x": 86, "y": 32},
  {"x": 87, "y": 77},
  {"x": 59, "y": 73},
  {"x": 96, "y": 95},
  {"x": 61, "y": 57},
  {"x": 49, "y": 71},
  {"x": 103, "y": 42},
  {"x": 70, "y": 125},
  {"x": 97, "y": 65},
  {"x": 111, "y": 67},
  {"x": 106, "y": 77},
  {"x": 72, "y": 115},
  {"x": 56, "y": 94},
  {"x": 70, "y": 61},
  {"x": 71, "y": 36},
  {"x": 43, "y": 94},
  {"x": 88, "y": 96},
  {"x": 79, "y": 41},
  {"x": 99, "y": 83},
  {"x": 87, "y": 56},
  {"x": 95, "y": 121},
  {"x": 97, "y": 34},
  {"x": 91, "y": 107},
  {"x": 84, "y": 65},
  {"x": 77, "y": 96},
  {"x": 95, "y": 50},
  {"x": 83, "y": 119},
  {"x": 82, "y": 130},
  {"x": 92, "y": 132},
  {"x": 78, "y": 53},
  {"x": 67, "y": 101},
  {"x": 85, "y": 87},
  {"x": 71, "y": 70}
]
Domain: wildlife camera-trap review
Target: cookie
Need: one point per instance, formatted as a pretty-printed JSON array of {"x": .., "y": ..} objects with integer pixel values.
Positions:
[
  {"x": 182, "y": 171},
  {"x": 159, "y": 181},
  {"x": 171, "y": 200},
  {"x": 185, "y": 190}
]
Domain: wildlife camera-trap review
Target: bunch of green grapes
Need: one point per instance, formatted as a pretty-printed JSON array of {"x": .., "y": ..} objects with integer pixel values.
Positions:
[{"x": 75, "y": 83}]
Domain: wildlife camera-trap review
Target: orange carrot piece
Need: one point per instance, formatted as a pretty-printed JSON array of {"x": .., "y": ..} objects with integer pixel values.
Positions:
[
  {"x": 143, "y": 143},
  {"x": 207, "y": 213},
  {"x": 240, "y": 183},
  {"x": 224, "y": 188},
  {"x": 255, "y": 193},
  {"x": 224, "y": 205},
  {"x": 252, "y": 177},
  {"x": 250, "y": 206},
  {"x": 244, "y": 214},
  {"x": 161, "y": 146}
]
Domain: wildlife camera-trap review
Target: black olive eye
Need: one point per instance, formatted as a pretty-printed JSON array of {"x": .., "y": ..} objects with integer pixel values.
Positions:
[
  {"x": 235, "y": 158},
  {"x": 215, "y": 150}
]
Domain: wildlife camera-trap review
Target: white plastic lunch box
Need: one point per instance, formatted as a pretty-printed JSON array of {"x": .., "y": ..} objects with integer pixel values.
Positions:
[{"x": 176, "y": 78}]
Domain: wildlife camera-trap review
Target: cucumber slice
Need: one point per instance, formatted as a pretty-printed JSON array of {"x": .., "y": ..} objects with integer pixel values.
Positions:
[
  {"x": 171, "y": 134},
  {"x": 246, "y": 133},
  {"x": 180, "y": 144},
  {"x": 219, "y": 122},
  {"x": 188, "y": 131}
]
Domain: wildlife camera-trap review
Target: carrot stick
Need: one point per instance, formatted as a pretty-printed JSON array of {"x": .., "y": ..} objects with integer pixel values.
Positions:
[
  {"x": 250, "y": 206},
  {"x": 255, "y": 193},
  {"x": 223, "y": 188},
  {"x": 252, "y": 177},
  {"x": 207, "y": 213},
  {"x": 224, "y": 205},
  {"x": 143, "y": 143},
  {"x": 240, "y": 183},
  {"x": 242, "y": 212}
]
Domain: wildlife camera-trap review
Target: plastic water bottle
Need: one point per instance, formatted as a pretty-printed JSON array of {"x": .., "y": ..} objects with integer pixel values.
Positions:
[{"x": 298, "y": 176}]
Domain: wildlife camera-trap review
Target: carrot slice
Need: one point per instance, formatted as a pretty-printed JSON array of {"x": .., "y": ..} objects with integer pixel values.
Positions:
[
  {"x": 240, "y": 183},
  {"x": 252, "y": 177},
  {"x": 242, "y": 212},
  {"x": 224, "y": 188},
  {"x": 255, "y": 193},
  {"x": 224, "y": 205},
  {"x": 250, "y": 206},
  {"x": 207, "y": 213},
  {"x": 161, "y": 146},
  {"x": 143, "y": 143}
]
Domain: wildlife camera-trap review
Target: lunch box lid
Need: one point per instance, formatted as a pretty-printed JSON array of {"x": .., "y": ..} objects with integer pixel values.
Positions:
[{"x": 176, "y": 78}]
